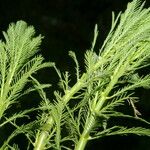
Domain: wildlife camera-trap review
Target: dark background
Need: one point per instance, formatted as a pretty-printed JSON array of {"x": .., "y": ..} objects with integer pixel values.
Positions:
[{"x": 68, "y": 25}]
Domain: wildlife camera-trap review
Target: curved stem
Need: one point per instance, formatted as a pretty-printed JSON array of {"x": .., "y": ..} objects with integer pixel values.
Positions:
[
  {"x": 90, "y": 122},
  {"x": 43, "y": 135},
  {"x": 40, "y": 140},
  {"x": 85, "y": 136},
  {"x": 40, "y": 145}
]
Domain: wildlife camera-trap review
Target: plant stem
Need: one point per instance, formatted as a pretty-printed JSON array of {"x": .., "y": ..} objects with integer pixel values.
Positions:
[
  {"x": 86, "y": 133},
  {"x": 82, "y": 143},
  {"x": 39, "y": 145},
  {"x": 66, "y": 98},
  {"x": 90, "y": 122},
  {"x": 40, "y": 140},
  {"x": 2, "y": 108}
]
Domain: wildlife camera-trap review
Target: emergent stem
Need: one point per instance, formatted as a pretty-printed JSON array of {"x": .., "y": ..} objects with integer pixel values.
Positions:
[
  {"x": 42, "y": 137},
  {"x": 40, "y": 141},
  {"x": 90, "y": 122},
  {"x": 85, "y": 136}
]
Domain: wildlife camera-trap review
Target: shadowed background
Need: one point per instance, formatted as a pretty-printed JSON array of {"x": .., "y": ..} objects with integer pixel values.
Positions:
[{"x": 68, "y": 25}]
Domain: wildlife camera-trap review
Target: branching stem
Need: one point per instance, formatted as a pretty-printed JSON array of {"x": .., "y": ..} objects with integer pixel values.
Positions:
[{"x": 40, "y": 141}]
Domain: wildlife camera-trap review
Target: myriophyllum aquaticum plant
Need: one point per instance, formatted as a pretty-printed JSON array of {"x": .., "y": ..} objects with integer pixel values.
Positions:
[{"x": 81, "y": 112}]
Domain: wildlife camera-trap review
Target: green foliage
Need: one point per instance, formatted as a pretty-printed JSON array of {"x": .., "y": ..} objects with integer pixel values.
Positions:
[
  {"x": 81, "y": 112},
  {"x": 17, "y": 65}
]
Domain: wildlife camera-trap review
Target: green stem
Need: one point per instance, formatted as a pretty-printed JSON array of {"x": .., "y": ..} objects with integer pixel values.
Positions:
[
  {"x": 90, "y": 122},
  {"x": 40, "y": 140},
  {"x": 82, "y": 143},
  {"x": 39, "y": 145},
  {"x": 43, "y": 135},
  {"x": 85, "y": 136},
  {"x": 2, "y": 108}
]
